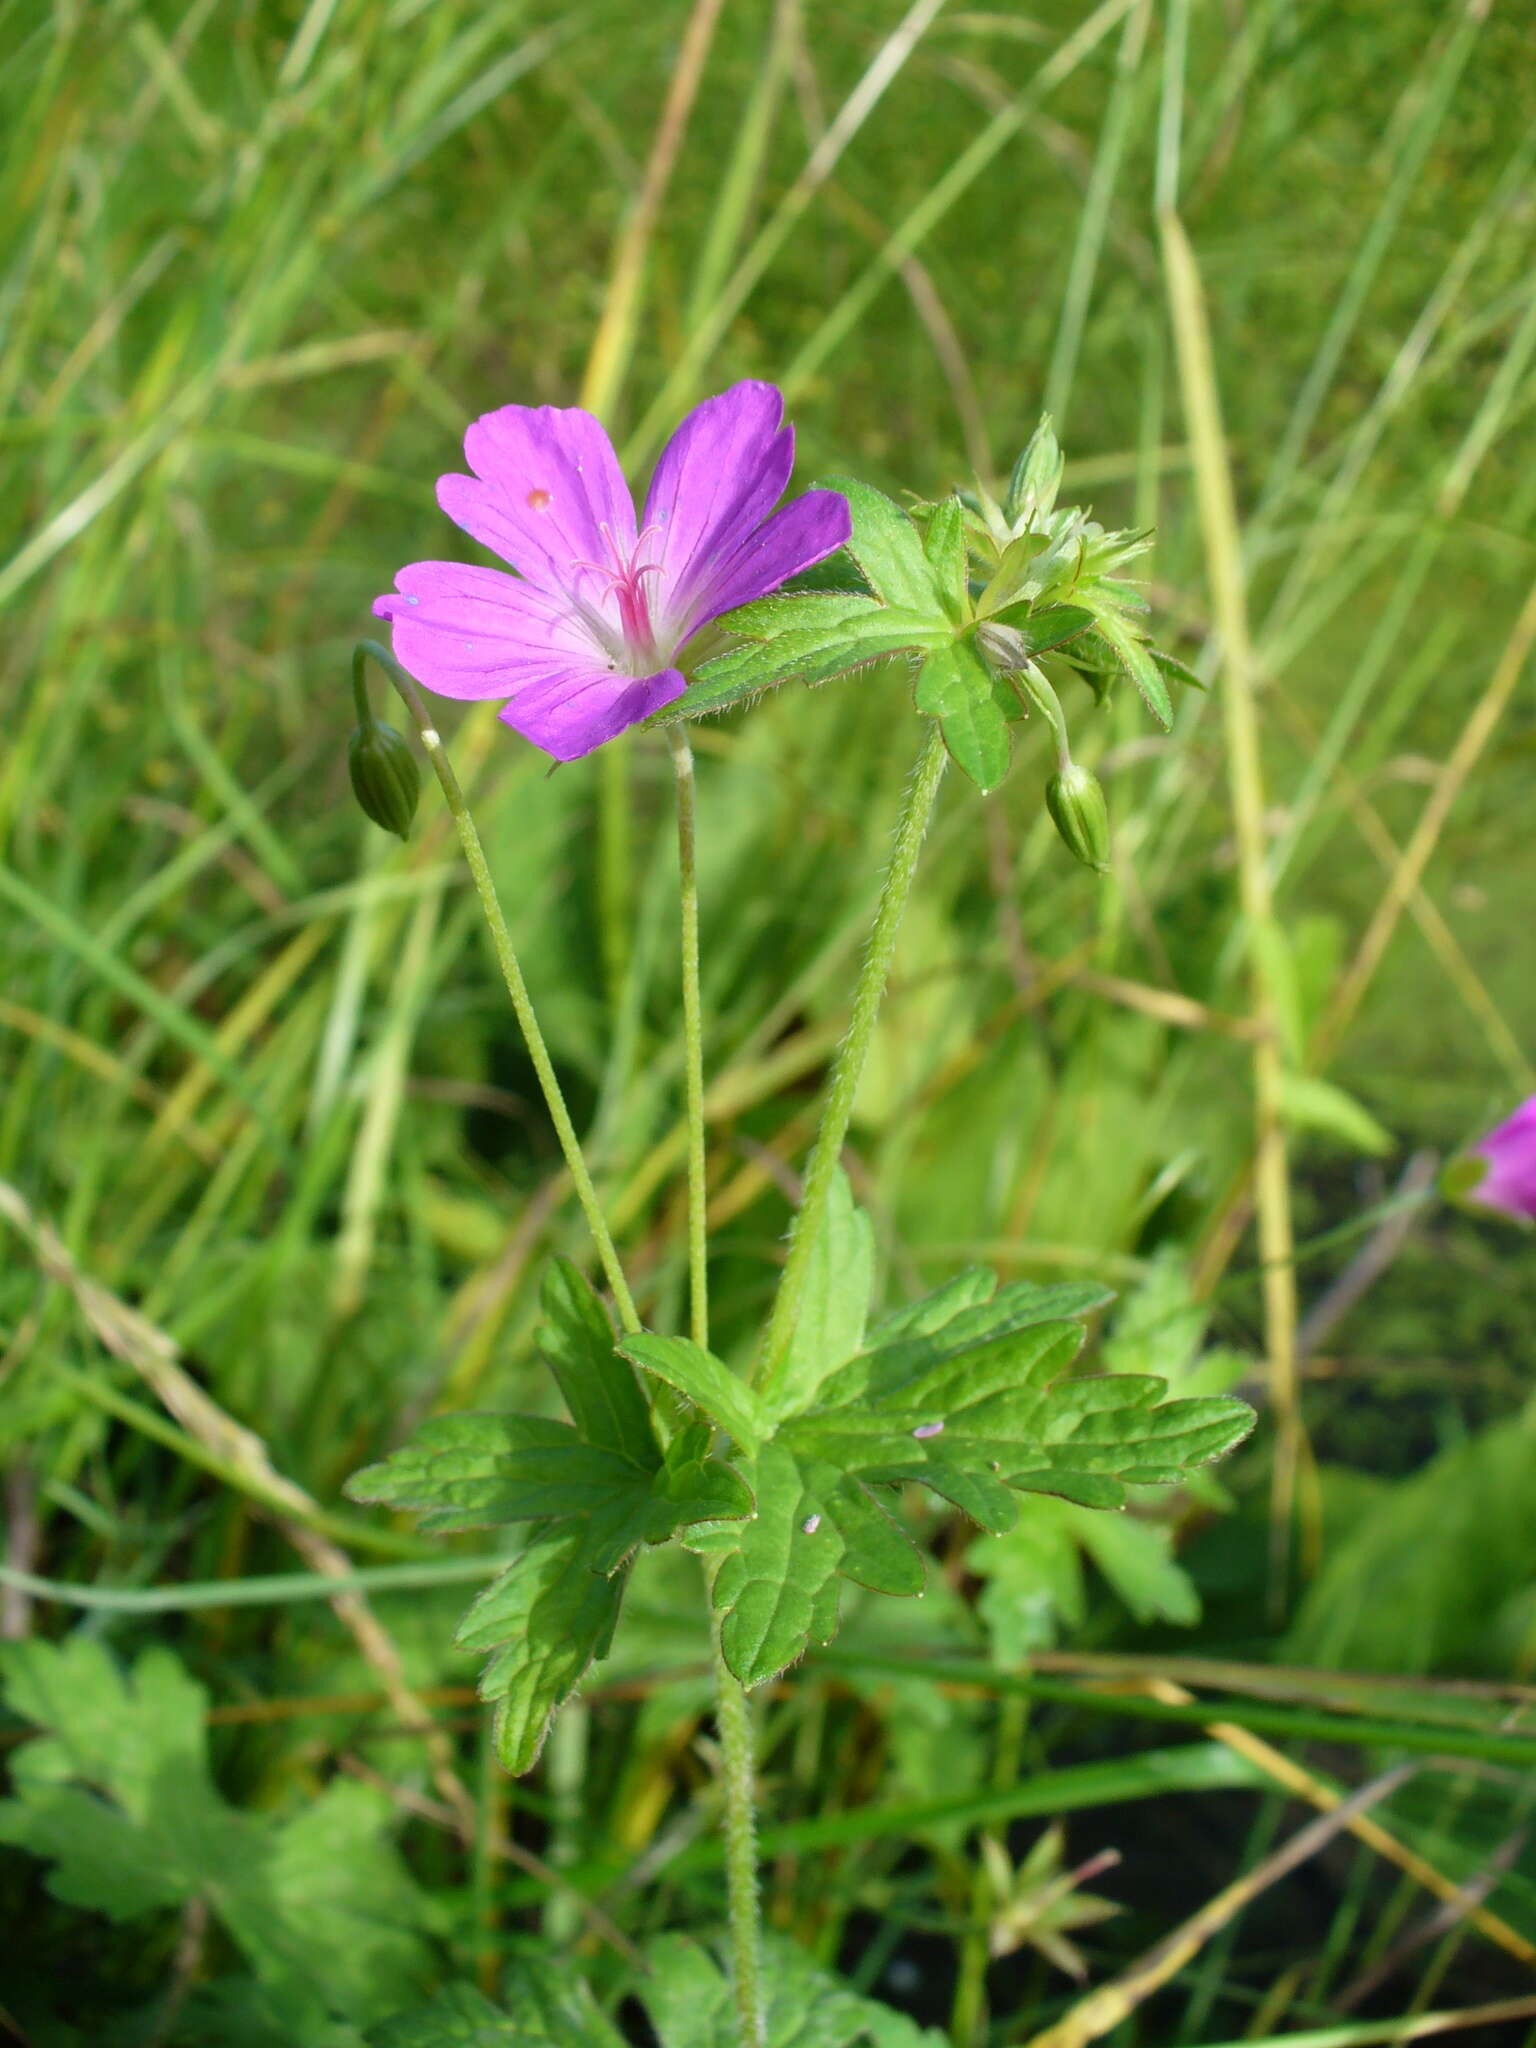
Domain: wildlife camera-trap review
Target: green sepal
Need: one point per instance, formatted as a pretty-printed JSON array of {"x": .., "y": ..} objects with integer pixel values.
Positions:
[{"x": 1042, "y": 631}]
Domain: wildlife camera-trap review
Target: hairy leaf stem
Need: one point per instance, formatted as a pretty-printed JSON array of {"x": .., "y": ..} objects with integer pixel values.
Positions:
[
  {"x": 848, "y": 1068},
  {"x": 511, "y": 972}
]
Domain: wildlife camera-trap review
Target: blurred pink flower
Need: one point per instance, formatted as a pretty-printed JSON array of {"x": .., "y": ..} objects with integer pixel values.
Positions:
[{"x": 1509, "y": 1151}]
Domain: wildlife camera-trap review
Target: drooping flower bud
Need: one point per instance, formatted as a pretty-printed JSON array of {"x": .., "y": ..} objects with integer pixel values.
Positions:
[
  {"x": 1076, "y": 803},
  {"x": 385, "y": 778}
]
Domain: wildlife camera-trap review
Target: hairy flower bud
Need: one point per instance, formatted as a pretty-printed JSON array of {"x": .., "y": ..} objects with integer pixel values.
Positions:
[
  {"x": 1036, "y": 478},
  {"x": 1076, "y": 804},
  {"x": 385, "y": 778}
]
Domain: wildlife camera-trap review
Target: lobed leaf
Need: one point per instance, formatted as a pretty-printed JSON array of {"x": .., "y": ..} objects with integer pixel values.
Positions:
[
  {"x": 967, "y": 1392},
  {"x": 546, "y": 2007},
  {"x": 840, "y": 1277},
  {"x": 689, "y": 2002},
  {"x": 955, "y": 686},
  {"x": 477, "y": 1471},
  {"x": 117, "y": 1795},
  {"x": 575, "y": 1340},
  {"x": 944, "y": 551},
  {"x": 701, "y": 1378},
  {"x": 799, "y": 611},
  {"x": 545, "y": 1618},
  {"x": 810, "y": 654},
  {"x": 888, "y": 550}
]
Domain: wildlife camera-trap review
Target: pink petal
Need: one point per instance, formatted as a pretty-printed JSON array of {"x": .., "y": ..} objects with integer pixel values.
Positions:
[
  {"x": 721, "y": 473},
  {"x": 570, "y": 714},
  {"x": 472, "y": 633},
  {"x": 1510, "y": 1150},
  {"x": 546, "y": 484},
  {"x": 803, "y": 532}
]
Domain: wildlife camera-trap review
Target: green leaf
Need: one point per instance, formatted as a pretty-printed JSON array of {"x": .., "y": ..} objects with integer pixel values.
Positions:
[
  {"x": 775, "y": 1587},
  {"x": 547, "y": 2007},
  {"x": 1136, "y": 1557},
  {"x": 118, "y": 1796},
  {"x": 967, "y": 1392},
  {"x": 1137, "y": 658},
  {"x": 599, "y": 1388},
  {"x": 689, "y": 2002},
  {"x": 701, "y": 1378},
  {"x": 955, "y": 686},
  {"x": 969, "y": 1288},
  {"x": 944, "y": 551},
  {"x": 887, "y": 548},
  {"x": 478, "y": 1471},
  {"x": 800, "y": 612},
  {"x": 810, "y": 654},
  {"x": 459, "y": 2017},
  {"x": 1309, "y": 1103},
  {"x": 546, "y": 1618},
  {"x": 839, "y": 1280}
]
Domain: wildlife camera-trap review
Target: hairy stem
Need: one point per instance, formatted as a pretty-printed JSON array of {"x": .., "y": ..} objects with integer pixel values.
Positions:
[
  {"x": 733, "y": 1714},
  {"x": 848, "y": 1067},
  {"x": 733, "y": 1717},
  {"x": 512, "y": 974},
  {"x": 693, "y": 1036}
]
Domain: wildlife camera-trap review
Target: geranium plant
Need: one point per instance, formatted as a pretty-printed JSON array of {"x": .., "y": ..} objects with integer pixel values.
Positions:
[{"x": 792, "y": 1471}]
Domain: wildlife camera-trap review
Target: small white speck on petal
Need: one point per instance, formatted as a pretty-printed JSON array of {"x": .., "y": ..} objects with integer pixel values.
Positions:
[{"x": 413, "y": 600}]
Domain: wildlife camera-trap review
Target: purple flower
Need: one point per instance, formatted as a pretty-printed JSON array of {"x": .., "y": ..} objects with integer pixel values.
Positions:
[
  {"x": 1509, "y": 1184},
  {"x": 585, "y": 639}
]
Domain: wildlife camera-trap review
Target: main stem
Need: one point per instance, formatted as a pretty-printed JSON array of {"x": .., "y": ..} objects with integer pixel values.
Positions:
[
  {"x": 848, "y": 1068},
  {"x": 511, "y": 972},
  {"x": 733, "y": 1712}
]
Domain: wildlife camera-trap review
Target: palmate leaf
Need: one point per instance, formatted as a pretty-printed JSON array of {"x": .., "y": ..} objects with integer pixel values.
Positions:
[
  {"x": 689, "y": 2002},
  {"x": 598, "y": 1487},
  {"x": 118, "y": 1796},
  {"x": 968, "y": 1392},
  {"x": 547, "y": 2007}
]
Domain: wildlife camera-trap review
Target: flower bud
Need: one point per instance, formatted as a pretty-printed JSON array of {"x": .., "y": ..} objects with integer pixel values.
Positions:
[
  {"x": 1076, "y": 804},
  {"x": 385, "y": 778},
  {"x": 1036, "y": 478}
]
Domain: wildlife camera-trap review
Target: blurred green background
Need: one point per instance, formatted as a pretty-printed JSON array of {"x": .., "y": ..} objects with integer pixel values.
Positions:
[{"x": 268, "y": 1139}]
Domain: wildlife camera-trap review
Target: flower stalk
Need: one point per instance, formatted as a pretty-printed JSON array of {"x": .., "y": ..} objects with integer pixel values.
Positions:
[
  {"x": 693, "y": 1036},
  {"x": 733, "y": 1711},
  {"x": 511, "y": 972}
]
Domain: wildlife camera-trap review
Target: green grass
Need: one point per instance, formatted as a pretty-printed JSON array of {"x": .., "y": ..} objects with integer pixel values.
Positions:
[{"x": 259, "y": 264}]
